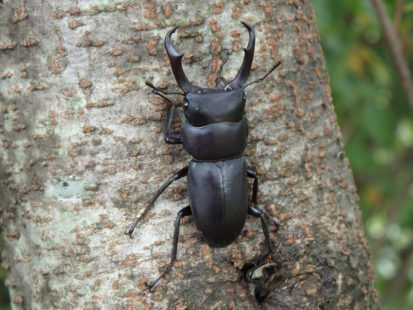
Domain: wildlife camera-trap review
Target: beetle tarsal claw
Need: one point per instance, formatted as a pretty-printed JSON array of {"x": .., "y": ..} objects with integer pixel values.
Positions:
[
  {"x": 259, "y": 278},
  {"x": 259, "y": 268},
  {"x": 150, "y": 286},
  {"x": 262, "y": 271},
  {"x": 130, "y": 231}
]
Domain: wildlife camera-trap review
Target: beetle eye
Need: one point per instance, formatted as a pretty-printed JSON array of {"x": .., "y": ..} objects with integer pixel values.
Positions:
[{"x": 186, "y": 104}]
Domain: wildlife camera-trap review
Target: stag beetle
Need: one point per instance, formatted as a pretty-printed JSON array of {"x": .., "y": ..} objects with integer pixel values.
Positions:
[{"x": 215, "y": 135}]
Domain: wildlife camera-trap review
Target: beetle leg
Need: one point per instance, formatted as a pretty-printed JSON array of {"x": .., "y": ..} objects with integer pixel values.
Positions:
[
  {"x": 219, "y": 80},
  {"x": 252, "y": 174},
  {"x": 261, "y": 272},
  {"x": 181, "y": 173},
  {"x": 250, "y": 270},
  {"x": 267, "y": 74},
  {"x": 253, "y": 210},
  {"x": 171, "y": 138},
  {"x": 182, "y": 213}
]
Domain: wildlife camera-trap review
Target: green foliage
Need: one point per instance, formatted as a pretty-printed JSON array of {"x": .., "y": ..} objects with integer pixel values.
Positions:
[{"x": 377, "y": 125}]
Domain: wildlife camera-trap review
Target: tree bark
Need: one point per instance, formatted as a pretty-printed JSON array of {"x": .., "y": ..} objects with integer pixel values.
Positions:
[{"x": 82, "y": 152}]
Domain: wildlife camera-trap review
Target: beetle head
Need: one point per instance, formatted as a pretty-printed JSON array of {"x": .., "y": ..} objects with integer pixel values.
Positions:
[
  {"x": 230, "y": 95},
  {"x": 240, "y": 79}
]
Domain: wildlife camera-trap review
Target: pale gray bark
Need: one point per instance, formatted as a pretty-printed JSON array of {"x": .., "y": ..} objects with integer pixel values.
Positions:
[{"x": 82, "y": 151}]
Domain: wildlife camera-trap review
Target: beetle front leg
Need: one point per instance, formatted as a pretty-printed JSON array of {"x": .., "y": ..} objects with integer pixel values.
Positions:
[
  {"x": 171, "y": 138},
  {"x": 181, "y": 173},
  {"x": 182, "y": 213}
]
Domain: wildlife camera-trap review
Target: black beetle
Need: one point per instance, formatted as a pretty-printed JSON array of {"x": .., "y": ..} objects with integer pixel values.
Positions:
[{"x": 215, "y": 135}]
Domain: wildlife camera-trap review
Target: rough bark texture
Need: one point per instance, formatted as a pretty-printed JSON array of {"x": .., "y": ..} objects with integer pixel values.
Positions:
[{"x": 82, "y": 151}]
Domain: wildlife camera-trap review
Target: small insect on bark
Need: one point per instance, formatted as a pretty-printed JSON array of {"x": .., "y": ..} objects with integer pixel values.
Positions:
[{"x": 215, "y": 135}]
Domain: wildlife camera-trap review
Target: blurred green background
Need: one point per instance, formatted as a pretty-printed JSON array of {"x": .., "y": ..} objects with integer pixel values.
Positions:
[
  {"x": 4, "y": 294},
  {"x": 377, "y": 124}
]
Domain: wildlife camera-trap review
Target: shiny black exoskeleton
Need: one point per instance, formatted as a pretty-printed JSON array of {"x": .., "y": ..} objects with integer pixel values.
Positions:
[{"x": 215, "y": 135}]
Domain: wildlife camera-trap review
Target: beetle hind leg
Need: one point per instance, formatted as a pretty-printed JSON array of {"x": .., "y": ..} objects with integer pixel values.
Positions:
[{"x": 182, "y": 213}]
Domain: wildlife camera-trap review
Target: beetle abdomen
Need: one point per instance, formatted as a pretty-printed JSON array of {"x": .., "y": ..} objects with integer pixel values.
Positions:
[
  {"x": 215, "y": 141},
  {"x": 219, "y": 198}
]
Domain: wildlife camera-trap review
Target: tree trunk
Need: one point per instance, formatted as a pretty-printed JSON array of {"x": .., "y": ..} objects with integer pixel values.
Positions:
[{"x": 82, "y": 152}]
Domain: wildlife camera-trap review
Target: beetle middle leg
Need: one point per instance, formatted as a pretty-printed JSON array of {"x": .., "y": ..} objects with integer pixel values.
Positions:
[
  {"x": 182, "y": 213},
  {"x": 260, "y": 272},
  {"x": 181, "y": 173},
  {"x": 257, "y": 212},
  {"x": 253, "y": 210},
  {"x": 253, "y": 174}
]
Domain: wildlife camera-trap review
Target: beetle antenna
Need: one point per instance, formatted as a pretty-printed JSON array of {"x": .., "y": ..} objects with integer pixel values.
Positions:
[
  {"x": 219, "y": 79},
  {"x": 267, "y": 74},
  {"x": 156, "y": 90}
]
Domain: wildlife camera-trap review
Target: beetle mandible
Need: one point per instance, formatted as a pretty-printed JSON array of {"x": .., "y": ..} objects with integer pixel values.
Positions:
[{"x": 215, "y": 135}]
